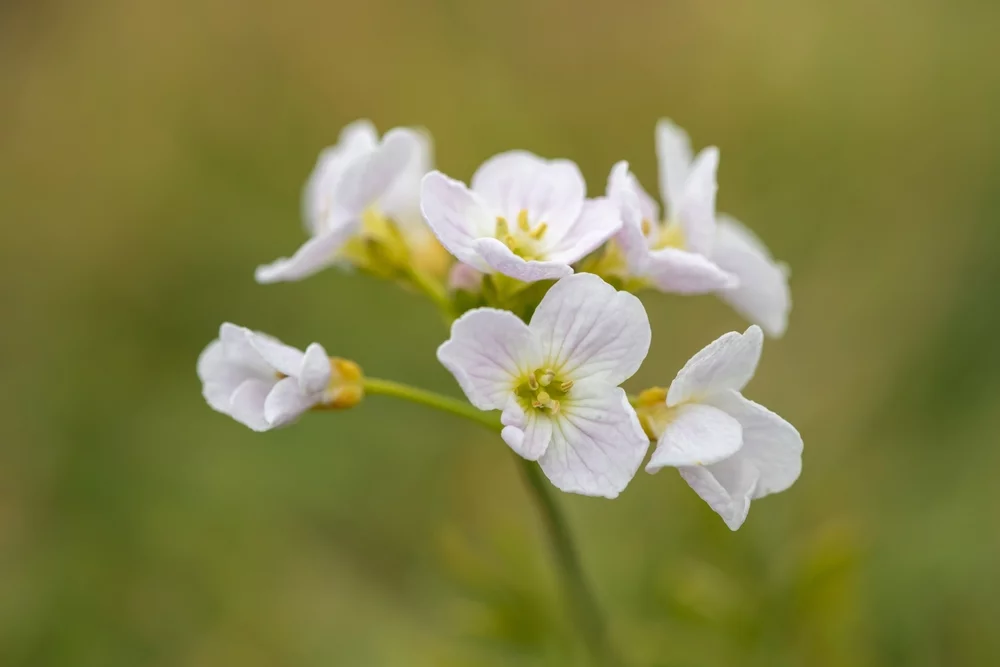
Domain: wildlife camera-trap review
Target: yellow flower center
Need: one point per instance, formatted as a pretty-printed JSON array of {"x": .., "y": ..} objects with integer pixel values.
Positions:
[
  {"x": 661, "y": 235},
  {"x": 543, "y": 390},
  {"x": 523, "y": 239}
]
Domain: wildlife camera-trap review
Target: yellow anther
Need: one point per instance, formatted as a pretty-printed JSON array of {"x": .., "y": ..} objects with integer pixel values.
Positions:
[
  {"x": 532, "y": 382},
  {"x": 546, "y": 379},
  {"x": 566, "y": 386},
  {"x": 652, "y": 396},
  {"x": 554, "y": 407},
  {"x": 539, "y": 231},
  {"x": 510, "y": 241},
  {"x": 522, "y": 220},
  {"x": 503, "y": 229},
  {"x": 647, "y": 227}
]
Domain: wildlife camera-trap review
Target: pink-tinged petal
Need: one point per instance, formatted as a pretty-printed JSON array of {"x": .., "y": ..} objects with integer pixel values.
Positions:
[
  {"x": 371, "y": 174},
  {"x": 464, "y": 277},
  {"x": 552, "y": 191},
  {"x": 283, "y": 358},
  {"x": 286, "y": 402},
  {"x": 457, "y": 217},
  {"x": 695, "y": 212},
  {"x": 673, "y": 152},
  {"x": 313, "y": 256},
  {"x": 726, "y": 486},
  {"x": 500, "y": 259},
  {"x": 762, "y": 295},
  {"x": 528, "y": 434},
  {"x": 355, "y": 139},
  {"x": 771, "y": 446},
  {"x": 726, "y": 363},
  {"x": 696, "y": 435},
  {"x": 599, "y": 220},
  {"x": 588, "y": 330},
  {"x": 247, "y": 404},
  {"x": 597, "y": 443},
  {"x": 314, "y": 372},
  {"x": 680, "y": 272},
  {"x": 487, "y": 352}
]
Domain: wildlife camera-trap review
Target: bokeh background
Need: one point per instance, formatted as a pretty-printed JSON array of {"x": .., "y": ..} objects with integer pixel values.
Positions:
[{"x": 152, "y": 154}]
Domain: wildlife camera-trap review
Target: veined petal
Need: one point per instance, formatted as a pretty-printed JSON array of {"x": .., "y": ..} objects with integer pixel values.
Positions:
[
  {"x": 696, "y": 435},
  {"x": 247, "y": 404},
  {"x": 726, "y": 486},
  {"x": 528, "y": 434},
  {"x": 282, "y": 358},
  {"x": 371, "y": 174},
  {"x": 313, "y": 256},
  {"x": 286, "y": 402},
  {"x": 588, "y": 330},
  {"x": 355, "y": 139},
  {"x": 673, "y": 152},
  {"x": 695, "y": 212},
  {"x": 488, "y": 351},
  {"x": 624, "y": 190},
  {"x": 457, "y": 217},
  {"x": 402, "y": 201},
  {"x": 681, "y": 272},
  {"x": 500, "y": 259},
  {"x": 762, "y": 295},
  {"x": 599, "y": 220},
  {"x": 597, "y": 443},
  {"x": 552, "y": 191},
  {"x": 726, "y": 363},
  {"x": 314, "y": 372},
  {"x": 771, "y": 446}
]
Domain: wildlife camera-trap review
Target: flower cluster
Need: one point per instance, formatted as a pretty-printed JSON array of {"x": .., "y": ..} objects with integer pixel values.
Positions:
[{"x": 538, "y": 281}]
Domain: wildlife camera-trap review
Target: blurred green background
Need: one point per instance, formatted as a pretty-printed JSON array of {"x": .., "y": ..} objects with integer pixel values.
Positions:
[{"x": 152, "y": 154}]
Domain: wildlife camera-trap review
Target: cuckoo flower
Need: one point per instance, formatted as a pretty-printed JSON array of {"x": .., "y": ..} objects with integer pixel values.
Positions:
[
  {"x": 263, "y": 383},
  {"x": 556, "y": 380},
  {"x": 351, "y": 186},
  {"x": 729, "y": 449},
  {"x": 524, "y": 217}
]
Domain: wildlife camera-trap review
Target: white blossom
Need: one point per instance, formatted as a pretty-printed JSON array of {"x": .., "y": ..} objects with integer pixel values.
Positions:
[
  {"x": 556, "y": 380},
  {"x": 729, "y": 449},
  {"x": 524, "y": 217},
  {"x": 263, "y": 383}
]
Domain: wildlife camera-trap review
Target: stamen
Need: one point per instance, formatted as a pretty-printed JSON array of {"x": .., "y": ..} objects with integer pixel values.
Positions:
[
  {"x": 510, "y": 241},
  {"x": 647, "y": 227},
  {"x": 503, "y": 229},
  {"x": 533, "y": 382},
  {"x": 544, "y": 398},
  {"x": 566, "y": 386},
  {"x": 539, "y": 231},
  {"x": 547, "y": 377},
  {"x": 522, "y": 220},
  {"x": 554, "y": 407}
]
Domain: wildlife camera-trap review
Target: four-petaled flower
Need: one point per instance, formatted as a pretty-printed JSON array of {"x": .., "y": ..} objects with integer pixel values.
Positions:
[
  {"x": 523, "y": 217},
  {"x": 728, "y": 448},
  {"x": 263, "y": 383},
  {"x": 556, "y": 380},
  {"x": 355, "y": 183}
]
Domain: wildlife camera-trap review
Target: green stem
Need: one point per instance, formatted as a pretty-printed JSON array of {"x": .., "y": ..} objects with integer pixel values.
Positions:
[
  {"x": 586, "y": 613},
  {"x": 433, "y": 290}
]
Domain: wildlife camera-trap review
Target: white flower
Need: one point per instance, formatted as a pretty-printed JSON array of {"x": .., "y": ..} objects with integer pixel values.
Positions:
[
  {"x": 264, "y": 384},
  {"x": 689, "y": 252},
  {"x": 524, "y": 217},
  {"x": 358, "y": 176},
  {"x": 556, "y": 380},
  {"x": 728, "y": 448}
]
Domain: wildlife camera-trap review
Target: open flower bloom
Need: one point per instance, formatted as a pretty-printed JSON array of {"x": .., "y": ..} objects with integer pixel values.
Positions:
[
  {"x": 354, "y": 186},
  {"x": 263, "y": 383},
  {"x": 524, "y": 217},
  {"x": 556, "y": 380},
  {"x": 728, "y": 448}
]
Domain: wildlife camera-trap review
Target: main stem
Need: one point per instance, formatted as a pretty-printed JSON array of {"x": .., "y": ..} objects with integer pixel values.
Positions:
[{"x": 584, "y": 608}]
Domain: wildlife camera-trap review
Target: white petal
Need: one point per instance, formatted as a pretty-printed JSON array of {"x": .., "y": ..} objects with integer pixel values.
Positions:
[
  {"x": 528, "y": 434},
  {"x": 771, "y": 446},
  {"x": 402, "y": 201},
  {"x": 762, "y": 295},
  {"x": 597, "y": 443},
  {"x": 371, "y": 174},
  {"x": 283, "y": 358},
  {"x": 726, "y": 486},
  {"x": 457, "y": 217},
  {"x": 681, "y": 272},
  {"x": 726, "y": 363},
  {"x": 219, "y": 377},
  {"x": 500, "y": 259},
  {"x": 599, "y": 220},
  {"x": 355, "y": 139},
  {"x": 696, "y": 435},
  {"x": 552, "y": 191},
  {"x": 314, "y": 373},
  {"x": 488, "y": 351},
  {"x": 247, "y": 404},
  {"x": 624, "y": 189},
  {"x": 313, "y": 256},
  {"x": 695, "y": 212},
  {"x": 673, "y": 152},
  {"x": 286, "y": 402},
  {"x": 589, "y": 330}
]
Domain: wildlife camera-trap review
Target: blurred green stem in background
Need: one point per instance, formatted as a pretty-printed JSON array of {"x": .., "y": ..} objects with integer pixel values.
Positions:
[{"x": 583, "y": 605}]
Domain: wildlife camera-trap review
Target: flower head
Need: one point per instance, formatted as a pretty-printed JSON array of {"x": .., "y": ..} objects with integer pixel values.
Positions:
[
  {"x": 523, "y": 217},
  {"x": 263, "y": 383},
  {"x": 355, "y": 185},
  {"x": 729, "y": 449},
  {"x": 556, "y": 380}
]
